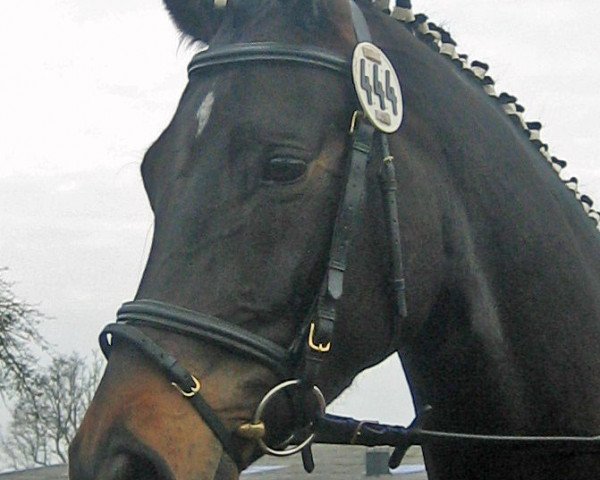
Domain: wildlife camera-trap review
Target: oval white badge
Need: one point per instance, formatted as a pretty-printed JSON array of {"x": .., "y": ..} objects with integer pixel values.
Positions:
[{"x": 377, "y": 87}]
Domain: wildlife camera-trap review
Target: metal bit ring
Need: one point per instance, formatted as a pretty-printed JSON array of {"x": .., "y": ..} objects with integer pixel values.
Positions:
[{"x": 261, "y": 408}]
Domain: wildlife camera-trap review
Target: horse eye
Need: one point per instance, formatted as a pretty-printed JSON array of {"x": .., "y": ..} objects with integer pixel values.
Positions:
[{"x": 284, "y": 170}]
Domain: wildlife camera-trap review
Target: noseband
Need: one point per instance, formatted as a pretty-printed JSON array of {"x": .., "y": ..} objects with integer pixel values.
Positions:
[{"x": 302, "y": 359}]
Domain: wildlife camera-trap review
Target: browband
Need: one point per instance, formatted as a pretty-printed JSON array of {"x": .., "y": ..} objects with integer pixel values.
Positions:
[{"x": 237, "y": 54}]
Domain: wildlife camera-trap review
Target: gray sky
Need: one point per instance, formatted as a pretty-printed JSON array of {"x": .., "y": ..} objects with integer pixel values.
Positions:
[{"x": 86, "y": 87}]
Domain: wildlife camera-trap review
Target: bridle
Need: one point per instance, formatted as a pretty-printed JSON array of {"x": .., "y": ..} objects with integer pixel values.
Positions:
[
  {"x": 301, "y": 361},
  {"x": 313, "y": 341}
]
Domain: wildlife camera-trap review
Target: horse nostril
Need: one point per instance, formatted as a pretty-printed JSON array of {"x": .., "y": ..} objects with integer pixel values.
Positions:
[
  {"x": 132, "y": 467},
  {"x": 118, "y": 468}
]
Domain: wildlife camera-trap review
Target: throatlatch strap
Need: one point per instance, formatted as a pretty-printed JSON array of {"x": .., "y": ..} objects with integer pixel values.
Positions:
[
  {"x": 387, "y": 179},
  {"x": 186, "y": 383},
  {"x": 322, "y": 319}
]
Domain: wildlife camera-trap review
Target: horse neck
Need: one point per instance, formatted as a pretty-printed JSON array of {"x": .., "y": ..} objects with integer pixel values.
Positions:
[{"x": 502, "y": 264}]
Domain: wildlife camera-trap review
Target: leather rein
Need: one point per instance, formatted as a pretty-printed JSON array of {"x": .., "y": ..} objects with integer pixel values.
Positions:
[{"x": 302, "y": 359}]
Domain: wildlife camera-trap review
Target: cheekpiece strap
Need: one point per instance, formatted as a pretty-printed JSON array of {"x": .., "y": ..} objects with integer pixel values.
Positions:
[
  {"x": 361, "y": 28},
  {"x": 323, "y": 316},
  {"x": 320, "y": 335}
]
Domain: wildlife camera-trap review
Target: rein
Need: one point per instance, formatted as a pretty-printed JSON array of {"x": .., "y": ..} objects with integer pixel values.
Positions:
[{"x": 298, "y": 365}]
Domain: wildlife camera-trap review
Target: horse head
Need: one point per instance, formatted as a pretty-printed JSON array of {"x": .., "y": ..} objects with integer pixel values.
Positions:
[
  {"x": 245, "y": 185},
  {"x": 263, "y": 194}
]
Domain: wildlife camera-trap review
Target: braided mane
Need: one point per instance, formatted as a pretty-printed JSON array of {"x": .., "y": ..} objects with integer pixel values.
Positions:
[{"x": 441, "y": 41}]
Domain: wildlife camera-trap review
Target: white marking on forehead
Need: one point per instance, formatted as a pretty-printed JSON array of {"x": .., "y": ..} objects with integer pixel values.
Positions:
[{"x": 203, "y": 113}]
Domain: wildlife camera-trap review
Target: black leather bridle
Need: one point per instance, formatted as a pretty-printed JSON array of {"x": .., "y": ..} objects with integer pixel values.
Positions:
[
  {"x": 302, "y": 359},
  {"x": 313, "y": 341}
]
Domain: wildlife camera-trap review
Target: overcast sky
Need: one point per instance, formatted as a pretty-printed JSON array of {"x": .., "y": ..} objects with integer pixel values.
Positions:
[{"x": 86, "y": 87}]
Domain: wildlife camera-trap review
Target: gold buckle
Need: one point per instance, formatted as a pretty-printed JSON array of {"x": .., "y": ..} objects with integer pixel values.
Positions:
[
  {"x": 321, "y": 348},
  {"x": 252, "y": 431},
  {"x": 193, "y": 391}
]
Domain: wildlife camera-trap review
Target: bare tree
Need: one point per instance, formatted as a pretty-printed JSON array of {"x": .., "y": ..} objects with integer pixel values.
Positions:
[
  {"x": 26, "y": 444},
  {"x": 18, "y": 330},
  {"x": 43, "y": 426}
]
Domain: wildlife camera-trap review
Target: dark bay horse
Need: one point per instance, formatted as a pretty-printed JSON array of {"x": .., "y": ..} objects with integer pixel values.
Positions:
[{"x": 502, "y": 263}]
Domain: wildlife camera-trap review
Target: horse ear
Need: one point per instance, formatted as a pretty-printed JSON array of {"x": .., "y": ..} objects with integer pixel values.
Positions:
[{"x": 199, "y": 19}]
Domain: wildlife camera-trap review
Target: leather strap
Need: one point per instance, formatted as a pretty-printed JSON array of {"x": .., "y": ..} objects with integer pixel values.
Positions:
[
  {"x": 387, "y": 179},
  {"x": 349, "y": 209},
  {"x": 206, "y": 327},
  {"x": 179, "y": 376},
  {"x": 332, "y": 429},
  {"x": 323, "y": 319},
  {"x": 361, "y": 28},
  {"x": 320, "y": 336},
  {"x": 268, "y": 52}
]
